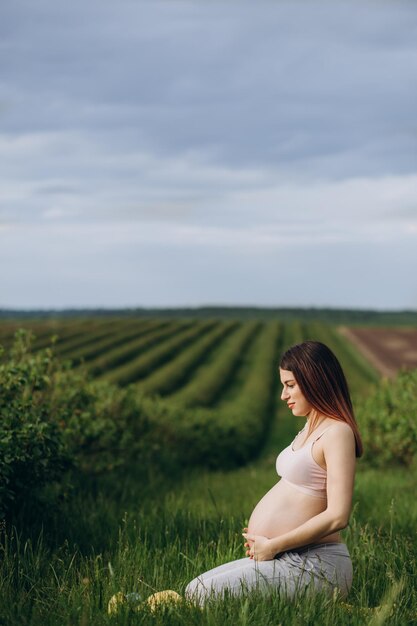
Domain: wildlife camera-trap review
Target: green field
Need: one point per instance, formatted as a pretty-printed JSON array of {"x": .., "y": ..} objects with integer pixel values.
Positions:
[
  {"x": 146, "y": 351},
  {"x": 149, "y": 526}
]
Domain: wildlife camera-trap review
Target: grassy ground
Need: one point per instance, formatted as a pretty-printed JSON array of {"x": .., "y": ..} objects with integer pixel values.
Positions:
[{"x": 144, "y": 533}]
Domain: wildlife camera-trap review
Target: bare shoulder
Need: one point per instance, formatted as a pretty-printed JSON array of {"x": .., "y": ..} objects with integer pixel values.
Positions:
[
  {"x": 337, "y": 447},
  {"x": 339, "y": 428},
  {"x": 340, "y": 434}
]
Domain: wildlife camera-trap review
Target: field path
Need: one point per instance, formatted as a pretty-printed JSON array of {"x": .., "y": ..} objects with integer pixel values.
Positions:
[{"x": 388, "y": 349}]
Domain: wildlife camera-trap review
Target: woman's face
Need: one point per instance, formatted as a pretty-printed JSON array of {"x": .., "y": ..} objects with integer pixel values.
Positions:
[{"x": 291, "y": 394}]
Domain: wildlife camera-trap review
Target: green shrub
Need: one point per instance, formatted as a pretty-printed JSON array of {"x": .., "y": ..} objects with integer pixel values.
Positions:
[
  {"x": 213, "y": 439},
  {"x": 32, "y": 448},
  {"x": 388, "y": 422},
  {"x": 53, "y": 419}
]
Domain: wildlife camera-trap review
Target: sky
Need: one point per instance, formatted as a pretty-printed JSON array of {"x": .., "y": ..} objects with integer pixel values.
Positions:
[{"x": 195, "y": 153}]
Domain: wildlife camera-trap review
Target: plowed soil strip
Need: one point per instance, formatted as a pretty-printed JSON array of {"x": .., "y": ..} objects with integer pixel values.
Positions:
[{"x": 388, "y": 349}]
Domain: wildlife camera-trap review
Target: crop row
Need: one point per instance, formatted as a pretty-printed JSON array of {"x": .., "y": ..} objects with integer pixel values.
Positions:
[
  {"x": 100, "y": 345},
  {"x": 59, "y": 339},
  {"x": 234, "y": 434},
  {"x": 257, "y": 392},
  {"x": 43, "y": 332},
  {"x": 123, "y": 355},
  {"x": 60, "y": 333},
  {"x": 173, "y": 374},
  {"x": 88, "y": 338},
  {"x": 144, "y": 364},
  {"x": 212, "y": 378},
  {"x": 60, "y": 336}
]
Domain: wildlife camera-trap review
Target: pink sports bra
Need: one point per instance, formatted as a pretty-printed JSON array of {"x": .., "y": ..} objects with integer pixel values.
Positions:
[{"x": 298, "y": 468}]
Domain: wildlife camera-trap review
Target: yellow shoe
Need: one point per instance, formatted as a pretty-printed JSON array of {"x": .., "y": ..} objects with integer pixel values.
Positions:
[
  {"x": 162, "y": 598},
  {"x": 116, "y": 602}
]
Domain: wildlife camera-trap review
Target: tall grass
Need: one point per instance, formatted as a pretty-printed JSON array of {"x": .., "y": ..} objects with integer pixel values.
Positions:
[{"x": 147, "y": 532}]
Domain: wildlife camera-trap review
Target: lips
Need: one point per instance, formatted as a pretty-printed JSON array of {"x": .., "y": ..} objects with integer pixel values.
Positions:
[{"x": 290, "y": 404}]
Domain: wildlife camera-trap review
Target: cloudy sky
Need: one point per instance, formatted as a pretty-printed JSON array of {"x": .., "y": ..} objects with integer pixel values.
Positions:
[{"x": 190, "y": 153}]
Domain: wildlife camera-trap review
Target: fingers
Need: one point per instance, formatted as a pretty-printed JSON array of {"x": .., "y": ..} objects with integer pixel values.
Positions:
[{"x": 249, "y": 542}]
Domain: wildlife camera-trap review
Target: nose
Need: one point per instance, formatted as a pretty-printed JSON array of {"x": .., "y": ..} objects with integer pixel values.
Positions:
[{"x": 285, "y": 395}]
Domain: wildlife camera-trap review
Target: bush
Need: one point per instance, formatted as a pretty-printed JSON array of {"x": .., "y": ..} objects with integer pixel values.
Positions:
[
  {"x": 53, "y": 419},
  {"x": 32, "y": 448},
  {"x": 388, "y": 422},
  {"x": 213, "y": 439}
]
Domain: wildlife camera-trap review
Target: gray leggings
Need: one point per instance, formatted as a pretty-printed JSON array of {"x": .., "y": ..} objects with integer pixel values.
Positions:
[{"x": 323, "y": 566}]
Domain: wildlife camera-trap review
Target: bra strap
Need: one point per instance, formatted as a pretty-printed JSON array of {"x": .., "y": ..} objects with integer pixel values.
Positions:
[{"x": 322, "y": 433}]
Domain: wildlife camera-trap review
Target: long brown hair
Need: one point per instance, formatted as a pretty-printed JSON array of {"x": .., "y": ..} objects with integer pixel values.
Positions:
[{"x": 323, "y": 383}]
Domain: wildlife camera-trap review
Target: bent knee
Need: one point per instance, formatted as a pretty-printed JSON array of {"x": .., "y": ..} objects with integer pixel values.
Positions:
[{"x": 196, "y": 591}]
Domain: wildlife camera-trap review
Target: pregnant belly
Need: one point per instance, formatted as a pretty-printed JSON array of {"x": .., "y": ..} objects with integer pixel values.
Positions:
[{"x": 284, "y": 508}]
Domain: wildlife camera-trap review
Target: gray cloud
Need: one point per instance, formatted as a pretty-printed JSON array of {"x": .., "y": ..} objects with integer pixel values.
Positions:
[
  {"x": 287, "y": 84},
  {"x": 276, "y": 128}
]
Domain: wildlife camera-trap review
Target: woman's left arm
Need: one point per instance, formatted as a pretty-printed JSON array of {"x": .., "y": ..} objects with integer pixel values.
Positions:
[{"x": 339, "y": 454}]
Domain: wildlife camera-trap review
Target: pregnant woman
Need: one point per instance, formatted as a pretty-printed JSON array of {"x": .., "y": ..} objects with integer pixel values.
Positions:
[{"x": 293, "y": 540}]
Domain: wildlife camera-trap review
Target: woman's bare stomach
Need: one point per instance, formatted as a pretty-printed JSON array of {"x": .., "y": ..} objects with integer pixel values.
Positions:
[{"x": 284, "y": 508}]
